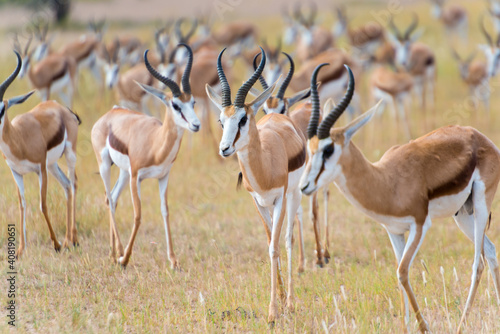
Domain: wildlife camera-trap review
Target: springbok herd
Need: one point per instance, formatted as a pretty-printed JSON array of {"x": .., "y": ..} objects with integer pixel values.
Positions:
[{"x": 294, "y": 149}]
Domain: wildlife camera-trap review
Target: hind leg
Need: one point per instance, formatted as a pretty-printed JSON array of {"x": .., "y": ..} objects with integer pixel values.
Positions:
[
  {"x": 479, "y": 226},
  {"x": 299, "y": 219},
  {"x": 66, "y": 185},
  {"x": 466, "y": 224}
]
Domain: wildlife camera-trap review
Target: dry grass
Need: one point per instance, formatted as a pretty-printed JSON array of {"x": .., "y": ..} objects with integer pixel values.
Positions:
[{"x": 220, "y": 242}]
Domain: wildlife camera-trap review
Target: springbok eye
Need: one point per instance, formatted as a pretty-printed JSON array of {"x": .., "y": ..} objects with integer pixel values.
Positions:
[
  {"x": 176, "y": 107},
  {"x": 327, "y": 152},
  {"x": 243, "y": 121}
]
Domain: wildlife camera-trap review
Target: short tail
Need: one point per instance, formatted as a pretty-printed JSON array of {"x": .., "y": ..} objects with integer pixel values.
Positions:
[
  {"x": 240, "y": 179},
  {"x": 76, "y": 115}
]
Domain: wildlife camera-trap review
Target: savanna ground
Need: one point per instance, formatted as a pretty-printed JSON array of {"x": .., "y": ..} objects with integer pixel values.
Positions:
[{"x": 224, "y": 282}]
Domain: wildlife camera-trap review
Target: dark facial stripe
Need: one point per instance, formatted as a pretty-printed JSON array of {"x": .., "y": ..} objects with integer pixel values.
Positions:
[
  {"x": 455, "y": 184},
  {"x": 237, "y": 137},
  {"x": 117, "y": 144},
  {"x": 297, "y": 161},
  {"x": 320, "y": 171},
  {"x": 57, "y": 138}
]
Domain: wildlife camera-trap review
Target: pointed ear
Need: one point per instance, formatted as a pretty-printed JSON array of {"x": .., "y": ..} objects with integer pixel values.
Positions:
[
  {"x": 351, "y": 128},
  {"x": 259, "y": 101},
  {"x": 153, "y": 91},
  {"x": 19, "y": 99},
  {"x": 328, "y": 107},
  {"x": 214, "y": 96},
  {"x": 303, "y": 94},
  {"x": 254, "y": 92}
]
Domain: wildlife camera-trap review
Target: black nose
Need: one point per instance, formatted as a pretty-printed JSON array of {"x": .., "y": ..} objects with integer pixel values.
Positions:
[{"x": 196, "y": 127}]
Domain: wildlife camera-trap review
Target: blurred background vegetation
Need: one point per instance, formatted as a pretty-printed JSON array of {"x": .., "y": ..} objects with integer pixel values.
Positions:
[{"x": 60, "y": 8}]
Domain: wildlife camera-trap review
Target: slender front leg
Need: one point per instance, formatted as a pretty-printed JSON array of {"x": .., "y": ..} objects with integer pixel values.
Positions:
[
  {"x": 266, "y": 220},
  {"x": 22, "y": 208},
  {"x": 136, "y": 200},
  {"x": 292, "y": 206},
  {"x": 302, "y": 258},
  {"x": 415, "y": 238},
  {"x": 42, "y": 178},
  {"x": 326, "y": 196},
  {"x": 278, "y": 217},
  {"x": 398, "y": 245},
  {"x": 163, "y": 183},
  {"x": 313, "y": 212}
]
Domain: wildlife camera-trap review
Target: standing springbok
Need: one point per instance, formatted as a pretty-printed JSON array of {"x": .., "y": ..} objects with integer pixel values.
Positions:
[
  {"x": 418, "y": 59},
  {"x": 55, "y": 73},
  {"x": 491, "y": 50},
  {"x": 300, "y": 116},
  {"x": 474, "y": 73},
  {"x": 272, "y": 157},
  {"x": 34, "y": 142},
  {"x": 453, "y": 17},
  {"x": 452, "y": 171},
  {"x": 143, "y": 148}
]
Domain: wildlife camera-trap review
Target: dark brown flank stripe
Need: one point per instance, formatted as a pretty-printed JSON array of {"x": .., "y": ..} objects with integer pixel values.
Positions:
[
  {"x": 297, "y": 161},
  {"x": 214, "y": 81},
  {"x": 117, "y": 144},
  {"x": 58, "y": 137},
  {"x": 457, "y": 183},
  {"x": 333, "y": 75},
  {"x": 60, "y": 74},
  {"x": 84, "y": 55}
]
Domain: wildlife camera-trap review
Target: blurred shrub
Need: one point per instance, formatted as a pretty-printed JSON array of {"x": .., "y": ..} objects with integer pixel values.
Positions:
[{"x": 59, "y": 8}]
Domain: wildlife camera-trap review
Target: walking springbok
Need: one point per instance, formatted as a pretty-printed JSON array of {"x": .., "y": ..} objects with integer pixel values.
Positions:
[
  {"x": 272, "y": 157},
  {"x": 474, "y": 73},
  {"x": 143, "y": 148},
  {"x": 418, "y": 59},
  {"x": 300, "y": 116},
  {"x": 452, "y": 171},
  {"x": 54, "y": 73},
  {"x": 34, "y": 142}
]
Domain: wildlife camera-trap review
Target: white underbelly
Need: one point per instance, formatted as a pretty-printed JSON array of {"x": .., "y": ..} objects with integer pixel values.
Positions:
[
  {"x": 61, "y": 83},
  {"x": 267, "y": 198},
  {"x": 294, "y": 178},
  {"x": 57, "y": 151},
  {"x": 333, "y": 89},
  {"x": 19, "y": 166},
  {"x": 447, "y": 206}
]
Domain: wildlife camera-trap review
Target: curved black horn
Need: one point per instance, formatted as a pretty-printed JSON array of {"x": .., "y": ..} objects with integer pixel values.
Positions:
[
  {"x": 412, "y": 27},
  {"x": 484, "y": 31},
  {"x": 325, "y": 126},
  {"x": 314, "y": 120},
  {"x": 168, "y": 82},
  {"x": 395, "y": 29},
  {"x": 261, "y": 78},
  {"x": 226, "y": 90},
  {"x": 10, "y": 79},
  {"x": 239, "y": 99},
  {"x": 286, "y": 82},
  {"x": 187, "y": 71}
]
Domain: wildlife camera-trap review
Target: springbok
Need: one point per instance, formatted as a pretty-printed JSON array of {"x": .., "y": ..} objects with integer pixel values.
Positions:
[
  {"x": 453, "y": 17},
  {"x": 54, "y": 73},
  {"x": 491, "y": 50},
  {"x": 394, "y": 88},
  {"x": 300, "y": 116},
  {"x": 272, "y": 157},
  {"x": 143, "y": 148},
  {"x": 474, "y": 73},
  {"x": 33, "y": 143},
  {"x": 418, "y": 59},
  {"x": 42, "y": 49},
  {"x": 452, "y": 171}
]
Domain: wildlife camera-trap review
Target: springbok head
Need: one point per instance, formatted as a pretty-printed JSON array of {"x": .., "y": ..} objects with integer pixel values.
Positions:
[
  {"x": 179, "y": 102},
  {"x": 326, "y": 144},
  {"x": 403, "y": 42},
  {"x": 236, "y": 118}
]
